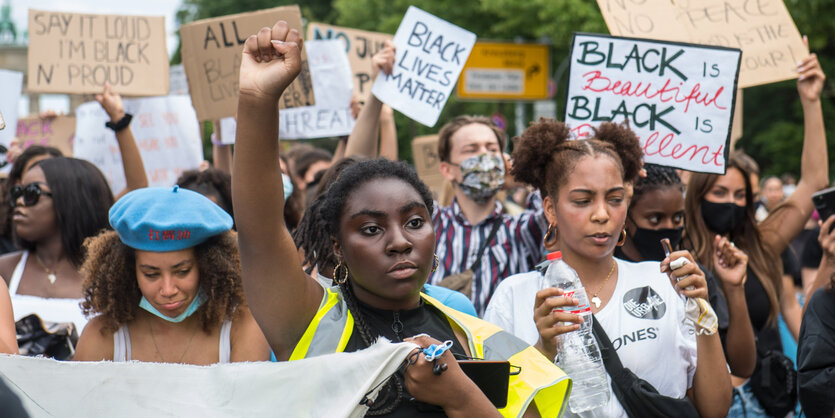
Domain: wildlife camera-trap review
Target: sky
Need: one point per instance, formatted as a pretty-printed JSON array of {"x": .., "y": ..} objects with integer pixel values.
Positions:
[{"x": 167, "y": 8}]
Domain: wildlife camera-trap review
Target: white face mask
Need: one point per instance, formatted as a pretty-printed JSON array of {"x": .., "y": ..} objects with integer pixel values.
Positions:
[{"x": 288, "y": 186}]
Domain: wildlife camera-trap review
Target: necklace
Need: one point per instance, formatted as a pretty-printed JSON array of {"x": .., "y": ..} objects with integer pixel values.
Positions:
[
  {"x": 156, "y": 347},
  {"x": 596, "y": 300},
  {"x": 50, "y": 274}
]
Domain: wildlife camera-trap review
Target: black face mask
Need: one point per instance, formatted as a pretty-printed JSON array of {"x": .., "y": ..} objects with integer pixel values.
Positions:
[
  {"x": 648, "y": 242},
  {"x": 722, "y": 218}
]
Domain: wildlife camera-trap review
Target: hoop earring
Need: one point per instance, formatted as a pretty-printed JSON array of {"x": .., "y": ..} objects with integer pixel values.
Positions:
[
  {"x": 336, "y": 273},
  {"x": 622, "y": 237},
  {"x": 548, "y": 240},
  {"x": 436, "y": 263}
]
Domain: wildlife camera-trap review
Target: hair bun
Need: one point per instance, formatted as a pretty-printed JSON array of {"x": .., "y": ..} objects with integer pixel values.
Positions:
[{"x": 535, "y": 149}]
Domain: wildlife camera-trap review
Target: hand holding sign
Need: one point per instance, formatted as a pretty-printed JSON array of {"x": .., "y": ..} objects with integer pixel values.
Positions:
[
  {"x": 271, "y": 61},
  {"x": 383, "y": 60},
  {"x": 112, "y": 103}
]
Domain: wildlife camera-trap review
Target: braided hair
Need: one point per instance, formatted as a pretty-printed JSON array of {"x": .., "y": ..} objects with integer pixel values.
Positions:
[
  {"x": 658, "y": 177},
  {"x": 321, "y": 223}
]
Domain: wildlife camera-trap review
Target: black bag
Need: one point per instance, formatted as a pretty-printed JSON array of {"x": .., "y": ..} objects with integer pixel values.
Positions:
[
  {"x": 51, "y": 339},
  {"x": 637, "y": 396},
  {"x": 774, "y": 383}
]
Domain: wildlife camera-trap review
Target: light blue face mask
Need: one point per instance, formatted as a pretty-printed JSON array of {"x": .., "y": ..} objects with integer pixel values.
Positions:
[
  {"x": 288, "y": 186},
  {"x": 198, "y": 301}
]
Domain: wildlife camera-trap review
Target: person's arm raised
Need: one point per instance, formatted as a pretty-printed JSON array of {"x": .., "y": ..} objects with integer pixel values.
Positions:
[
  {"x": 814, "y": 166},
  {"x": 280, "y": 296},
  {"x": 363, "y": 138},
  {"x": 135, "y": 175}
]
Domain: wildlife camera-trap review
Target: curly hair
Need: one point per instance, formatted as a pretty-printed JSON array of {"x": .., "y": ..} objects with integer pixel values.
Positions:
[
  {"x": 545, "y": 155},
  {"x": 111, "y": 290},
  {"x": 658, "y": 177}
]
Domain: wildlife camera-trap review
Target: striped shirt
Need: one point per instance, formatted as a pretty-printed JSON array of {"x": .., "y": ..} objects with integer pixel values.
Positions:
[{"x": 516, "y": 248}]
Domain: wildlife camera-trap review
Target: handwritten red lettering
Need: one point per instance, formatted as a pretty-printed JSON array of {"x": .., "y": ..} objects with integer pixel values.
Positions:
[{"x": 598, "y": 83}]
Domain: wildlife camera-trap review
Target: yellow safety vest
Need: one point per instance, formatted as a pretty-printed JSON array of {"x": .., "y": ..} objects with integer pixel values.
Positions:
[{"x": 539, "y": 379}]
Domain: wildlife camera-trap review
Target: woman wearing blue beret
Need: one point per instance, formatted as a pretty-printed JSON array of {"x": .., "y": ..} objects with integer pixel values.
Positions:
[{"x": 166, "y": 285}]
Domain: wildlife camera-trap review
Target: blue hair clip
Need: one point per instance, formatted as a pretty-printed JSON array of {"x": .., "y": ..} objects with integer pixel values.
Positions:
[{"x": 434, "y": 351}]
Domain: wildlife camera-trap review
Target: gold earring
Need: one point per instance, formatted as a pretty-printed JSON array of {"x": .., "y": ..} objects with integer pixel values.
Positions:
[
  {"x": 549, "y": 240},
  {"x": 437, "y": 263},
  {"x": 622, "y": 237},
  {"x": 336, "y": 273}
]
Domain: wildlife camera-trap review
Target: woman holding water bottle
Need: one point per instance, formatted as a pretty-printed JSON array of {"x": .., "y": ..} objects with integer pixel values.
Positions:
[{"x": 640, "y": 306}]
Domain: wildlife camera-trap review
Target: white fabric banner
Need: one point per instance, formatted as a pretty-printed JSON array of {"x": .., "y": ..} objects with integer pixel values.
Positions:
[
  {"x": 325, "y": 386},
  {"x": 166, "y": 132}
]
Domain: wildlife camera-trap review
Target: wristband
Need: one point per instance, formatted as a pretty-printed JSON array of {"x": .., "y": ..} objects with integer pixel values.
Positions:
[{"x": 121, "y": 124}]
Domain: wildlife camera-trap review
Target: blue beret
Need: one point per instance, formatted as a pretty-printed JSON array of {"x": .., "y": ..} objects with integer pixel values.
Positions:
[{"x": 163, "y": 219}]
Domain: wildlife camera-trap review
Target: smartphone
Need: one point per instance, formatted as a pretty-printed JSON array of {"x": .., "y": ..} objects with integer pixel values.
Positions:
[
  {"x": 492, "y": 377},
  {"x": 824, "y": 201}
]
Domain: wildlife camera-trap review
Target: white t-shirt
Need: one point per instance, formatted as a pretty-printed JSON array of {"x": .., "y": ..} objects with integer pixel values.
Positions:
[{"x": 643, "y": 319}]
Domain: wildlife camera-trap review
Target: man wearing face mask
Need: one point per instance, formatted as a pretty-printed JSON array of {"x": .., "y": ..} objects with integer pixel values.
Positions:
[{"x": 477, "y": 244}]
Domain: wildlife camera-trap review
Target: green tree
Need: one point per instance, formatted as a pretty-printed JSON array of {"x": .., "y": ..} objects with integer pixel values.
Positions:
[{"x": 772, "y": 118}]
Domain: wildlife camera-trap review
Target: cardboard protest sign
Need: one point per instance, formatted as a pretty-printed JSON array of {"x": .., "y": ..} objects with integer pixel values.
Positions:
[
  {"x": 360, "y": 45},
  {"x": 430, "y": 55},
  {"x": 166, "y": 131},
  {"x": 332, "y": 86},
  {"x": 11, "y": 84},
  {"x": 58, "y": 132},
  {"x": 678, "y": 98},
  {"x": 78, "y": 53},
  {"x": 427, "y": 162},
  {"x": 212, "y": 51},
  {"x": 763, "y": 29}
]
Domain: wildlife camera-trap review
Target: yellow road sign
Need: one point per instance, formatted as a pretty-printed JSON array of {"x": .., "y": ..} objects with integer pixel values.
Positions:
[{"x": 503, "y": 71}]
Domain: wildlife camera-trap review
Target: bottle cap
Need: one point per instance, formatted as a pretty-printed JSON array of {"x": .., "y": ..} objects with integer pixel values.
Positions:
[{"x": 556, "y": 255}]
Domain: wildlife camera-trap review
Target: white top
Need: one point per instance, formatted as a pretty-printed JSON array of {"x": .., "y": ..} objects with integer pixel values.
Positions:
[
  {"x": 644, "y": 320},
  {"x": 48, "y": 309},
  {"x": 122, "y": 351}
]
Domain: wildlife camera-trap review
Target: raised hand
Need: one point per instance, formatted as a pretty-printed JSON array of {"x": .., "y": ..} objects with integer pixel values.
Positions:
[
  {"x": 811, "y": 77},
  {"x": 383, "y": 60},
  {"x": 271, "y": 60},
  {"x": 111, "y": 102},
  {"x": 730, "y": 263}
]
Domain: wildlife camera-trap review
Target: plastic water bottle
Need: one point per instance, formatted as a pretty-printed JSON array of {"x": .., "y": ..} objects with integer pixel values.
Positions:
[{"x": 579, "y": 354}]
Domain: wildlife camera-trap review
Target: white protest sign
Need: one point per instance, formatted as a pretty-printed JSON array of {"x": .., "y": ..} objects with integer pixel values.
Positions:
[
  {"x": 228, "y": 126},
  {"x": 332, "y": 86},
  {"x": 11, "y": 84},
  {"x": 177, "y": 82},
  {"x": 430, "y": 55},
  {"x": 678, "y": 98},
  {"x": 166, "y": 132}
]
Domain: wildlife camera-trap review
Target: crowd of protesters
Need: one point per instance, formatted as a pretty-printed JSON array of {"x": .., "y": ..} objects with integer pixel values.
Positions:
[{"x": 290, "y": 252}]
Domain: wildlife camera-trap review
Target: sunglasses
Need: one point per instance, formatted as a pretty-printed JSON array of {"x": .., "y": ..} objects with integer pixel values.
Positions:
[{"x": 31, "y": 194}]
